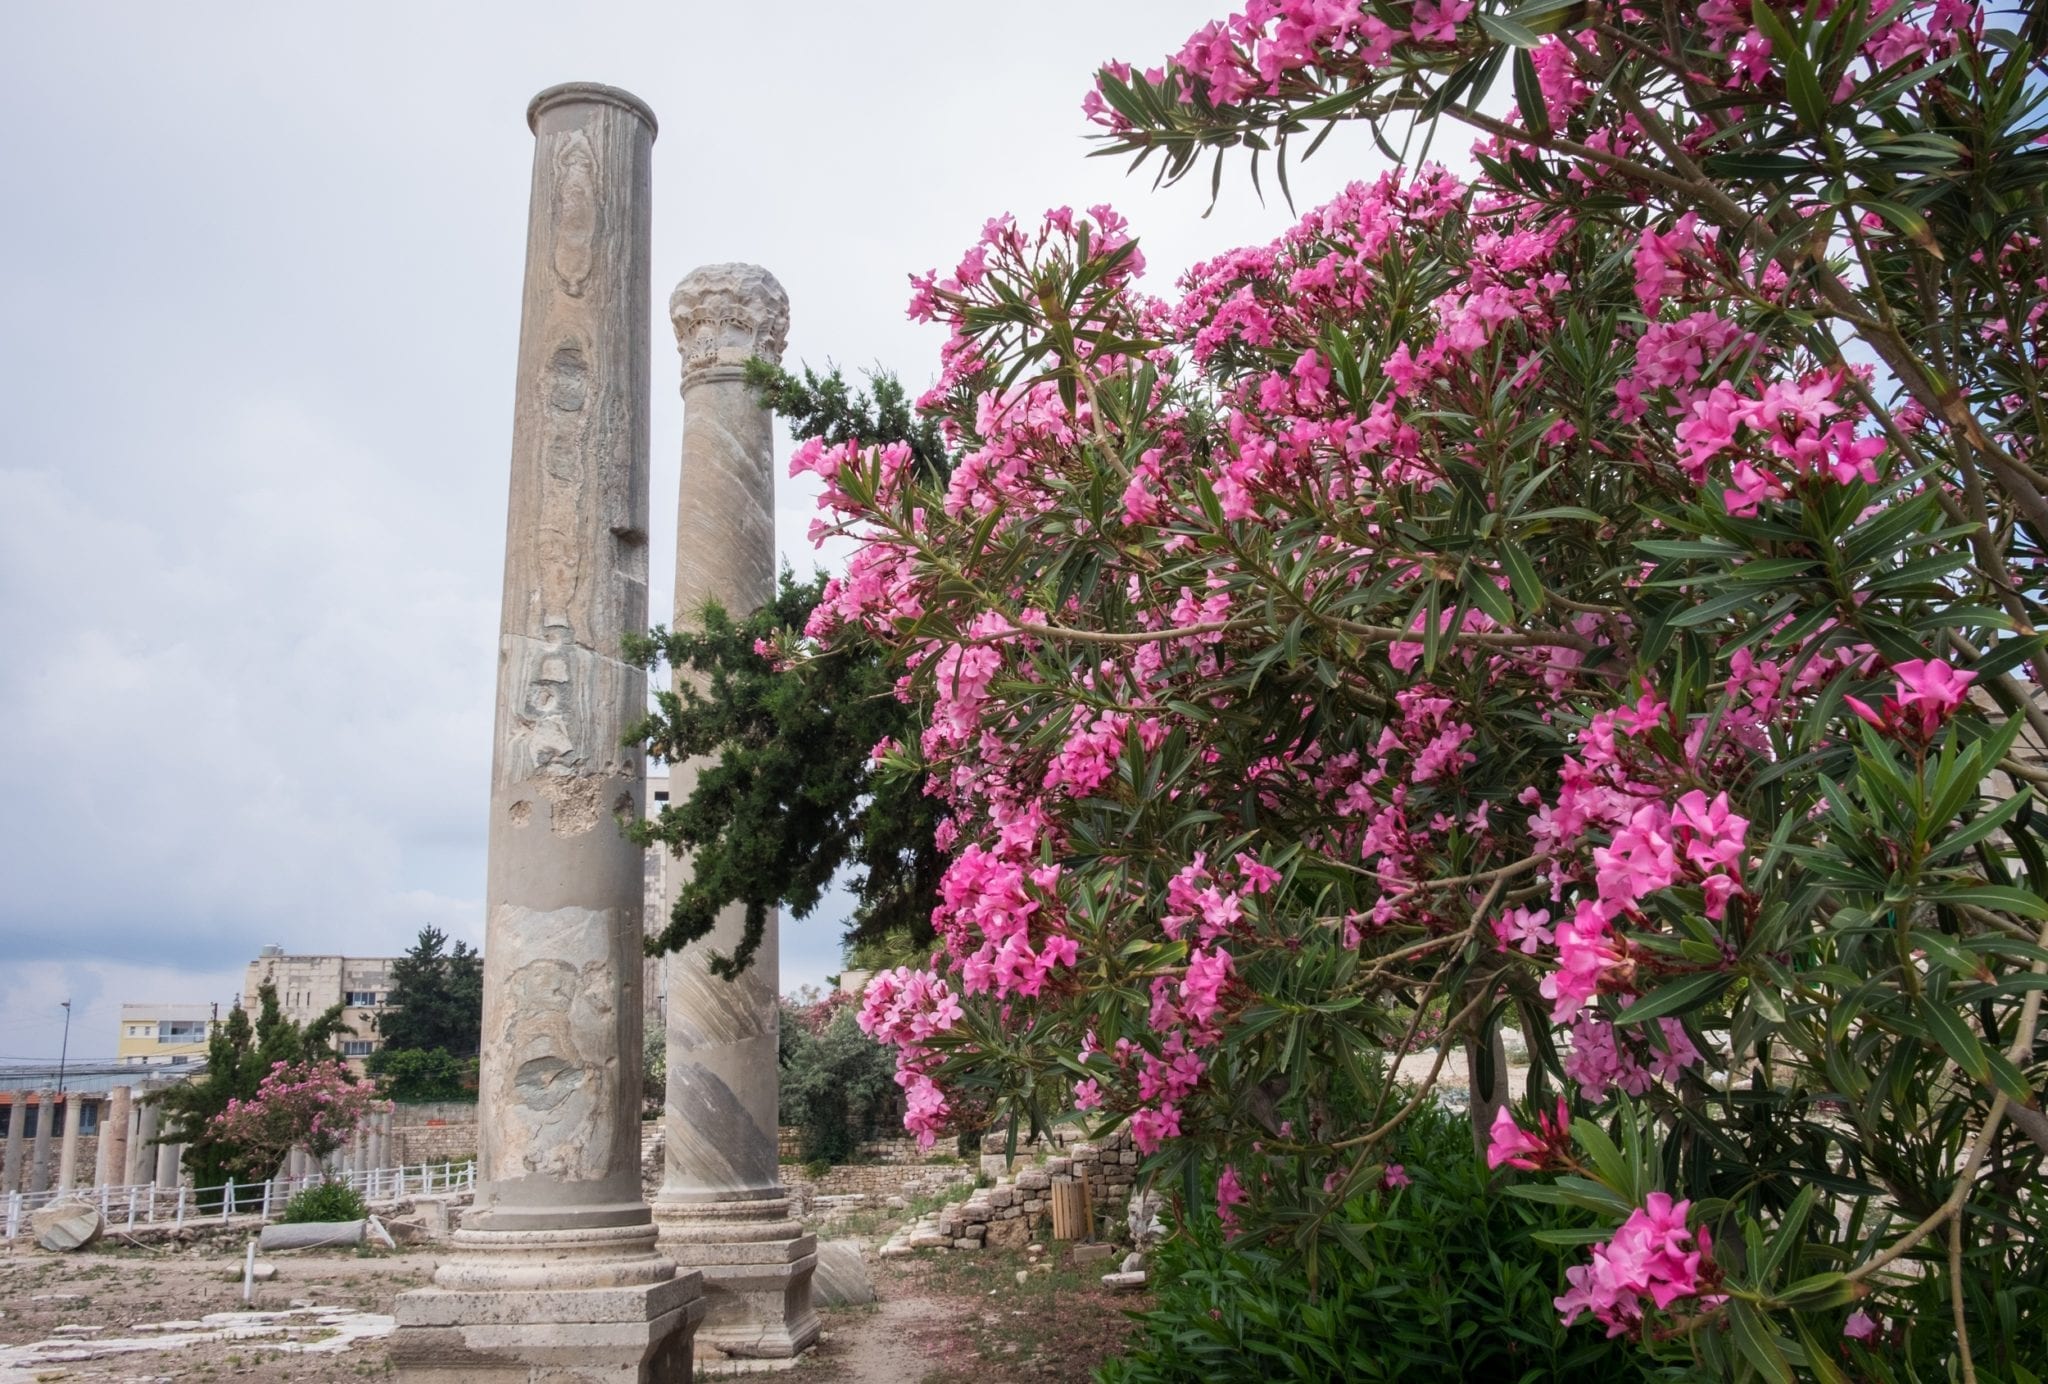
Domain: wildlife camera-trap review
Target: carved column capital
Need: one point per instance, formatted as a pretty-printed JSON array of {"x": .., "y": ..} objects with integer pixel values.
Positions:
[{"x": 724, "y": 314}]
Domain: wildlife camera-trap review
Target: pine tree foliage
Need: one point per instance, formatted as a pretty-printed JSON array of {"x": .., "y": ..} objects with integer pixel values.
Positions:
[
  {"x": 436, "y": 999},
  {"x": 792, "y": 797}
]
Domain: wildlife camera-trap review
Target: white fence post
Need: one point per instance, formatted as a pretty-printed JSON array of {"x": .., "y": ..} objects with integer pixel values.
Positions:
[
  {"x": 152, "y": 1201},
  {"x": 131, "y": 1207},
  {"x": 180, "y": 1222},
  {"x": 266, "y": 1202},
  {"x": 227, "y": 1202}
]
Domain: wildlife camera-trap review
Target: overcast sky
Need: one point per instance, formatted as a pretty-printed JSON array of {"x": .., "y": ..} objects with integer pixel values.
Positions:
[{"x": 259, "y": 275}]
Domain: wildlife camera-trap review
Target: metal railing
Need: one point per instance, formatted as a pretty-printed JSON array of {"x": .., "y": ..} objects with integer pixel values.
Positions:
[{"x": 147, "y": 1203}]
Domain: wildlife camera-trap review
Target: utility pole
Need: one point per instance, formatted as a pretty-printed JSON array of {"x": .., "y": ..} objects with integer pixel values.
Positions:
[{"x": 64, "y": 1052}]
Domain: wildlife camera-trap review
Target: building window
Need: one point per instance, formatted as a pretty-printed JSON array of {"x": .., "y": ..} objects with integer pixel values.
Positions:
[
  {"x": 356, "y": 1048},
  {"x": 359, "y": 999}
]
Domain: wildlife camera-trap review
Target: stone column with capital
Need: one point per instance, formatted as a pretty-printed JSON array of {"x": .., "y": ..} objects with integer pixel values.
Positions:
[
  {"x": 114, "y": 1135},
  {"x": 722, "y": 1207},
  {"x": 142, "y": 1142},
  {"x": 17, "y": 1124},
  {"x": 67, "y": 1152},
  {"x": 39, "y": 1167},
  {"x": 556, "y": 1274}
]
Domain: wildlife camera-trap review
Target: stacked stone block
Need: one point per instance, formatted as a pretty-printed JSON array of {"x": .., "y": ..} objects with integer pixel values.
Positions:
[{"x": 1012, "y": 1212}]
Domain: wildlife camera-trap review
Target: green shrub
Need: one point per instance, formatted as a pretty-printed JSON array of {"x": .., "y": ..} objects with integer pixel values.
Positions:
[
  {"x": 838, "y": 1085},
  {"x": 1446, "y": 1284},
  {"x": 325, "y": 1201},
  {"x": 423, "y": 1075}
]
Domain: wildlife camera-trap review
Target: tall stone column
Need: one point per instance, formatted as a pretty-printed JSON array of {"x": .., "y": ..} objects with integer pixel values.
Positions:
[
  {"x": 103, "y": 1141},
  {"x": 67, "y": 1153},
  {"x": 142, "y": 1147},
  {"x": 114, "y": 1135},
  {"x": 39, "y": 1168},
  {"x": 167, "y": 1165},
  {"x": 722, "y": 1205},
  {"x": 17, "y": 1123},
  {"x": 556, "y": 1273}
]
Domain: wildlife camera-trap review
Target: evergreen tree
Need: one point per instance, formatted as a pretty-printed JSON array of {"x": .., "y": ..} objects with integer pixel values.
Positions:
[
  {"x": 436, "y": 999},
  {"x": 793, "y": 796}
]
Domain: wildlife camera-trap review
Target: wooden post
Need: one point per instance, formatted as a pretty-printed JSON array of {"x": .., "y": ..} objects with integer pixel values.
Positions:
[{"x": 1070, "y": 1211}]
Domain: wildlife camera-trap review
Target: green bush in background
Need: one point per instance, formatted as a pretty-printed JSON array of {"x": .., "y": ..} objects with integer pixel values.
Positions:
[{"x": 325, "y": 1201}]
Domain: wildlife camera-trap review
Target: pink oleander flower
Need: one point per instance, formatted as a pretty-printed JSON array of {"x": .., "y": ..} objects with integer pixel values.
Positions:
[
  {"x": 1929, "y": 691},
  {"x": 1230, "y": 1194},
  {"x": 1523, "y": 929},
  {"x": 1652, "y": 1256},
  {"x": 1396, "y": 1177},
  {"x": 1861, "y": 1326},
  {"x": 1508, "y": 1143}
]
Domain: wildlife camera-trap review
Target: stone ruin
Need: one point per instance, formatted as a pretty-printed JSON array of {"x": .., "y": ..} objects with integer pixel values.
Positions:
[{"x": 561, "y": 1270}]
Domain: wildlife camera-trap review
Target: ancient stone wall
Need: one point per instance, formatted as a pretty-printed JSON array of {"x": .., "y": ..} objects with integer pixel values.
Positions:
[
  {"x": 433, "y": 1133},
  {"x": 874, "y": 1183},
  {"x": 1018, "y": 1208}
]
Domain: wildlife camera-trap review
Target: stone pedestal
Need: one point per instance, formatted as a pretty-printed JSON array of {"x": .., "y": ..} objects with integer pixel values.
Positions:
[
  {"x": 556, "y": 1277},
  {"x": 722, "y": 1208}
]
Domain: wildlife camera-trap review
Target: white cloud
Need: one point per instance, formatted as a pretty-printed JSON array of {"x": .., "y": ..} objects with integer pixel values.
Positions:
[{"x": 261, "y": 274}]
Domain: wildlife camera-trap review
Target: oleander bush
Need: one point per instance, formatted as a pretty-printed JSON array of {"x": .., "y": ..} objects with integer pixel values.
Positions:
[{"x": 1599, "y": 593}]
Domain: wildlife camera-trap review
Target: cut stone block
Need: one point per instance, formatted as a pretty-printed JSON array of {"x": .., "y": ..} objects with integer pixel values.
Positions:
[{"x": 65, "y": 1226}]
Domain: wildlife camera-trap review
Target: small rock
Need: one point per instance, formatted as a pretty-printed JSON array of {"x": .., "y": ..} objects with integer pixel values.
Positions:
[
  {"x": 1023, "y": 1277},
  {"x": 1124, "y": 1282},
  {"x": 1089, "y": 1254},
  {"x": 897, "y": 1204},
  {"x": 1134, "y": 1262}
]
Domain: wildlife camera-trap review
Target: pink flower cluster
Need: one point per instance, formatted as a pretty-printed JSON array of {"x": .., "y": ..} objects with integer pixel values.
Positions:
[
  {"x": 1653, "y": 1257},
  {"x": 906, "y": 1008},
  {"x": 1928, "y": 692},
  {"x": 1509, "y": 1145},
  {"x": 1604, "y": 1057}
]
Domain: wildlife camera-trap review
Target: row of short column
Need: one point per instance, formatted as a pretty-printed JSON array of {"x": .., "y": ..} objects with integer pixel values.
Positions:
[{"x": 128, "y": 1151}]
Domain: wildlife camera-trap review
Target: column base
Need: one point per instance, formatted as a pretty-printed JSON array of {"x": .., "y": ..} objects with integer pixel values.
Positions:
[
  {"x": 756, "y": 1265},
  {"x": 541, "y": 1308}
]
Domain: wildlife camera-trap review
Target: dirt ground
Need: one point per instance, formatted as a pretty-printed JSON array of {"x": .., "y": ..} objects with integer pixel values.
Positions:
[{"x": 128, "y": 1315}]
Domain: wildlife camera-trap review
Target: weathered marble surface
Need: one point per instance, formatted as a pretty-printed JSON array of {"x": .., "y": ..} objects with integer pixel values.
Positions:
[
  {"x": 555, "y": 1274},
  {"x": 721, "y": 1207},
  {"x": 113, "y": 1154},
  {"x": 561, "y": 994},
  {"x": 39, "y": 1166},
  {"x": 719, "y": 1138},
  {"x": 67, "y": 1154},
  {"x": 142, "y": 1144}
]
